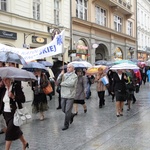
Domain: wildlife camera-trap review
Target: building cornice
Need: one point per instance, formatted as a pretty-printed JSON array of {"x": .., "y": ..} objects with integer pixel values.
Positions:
[{"x": 95, "y": 26}]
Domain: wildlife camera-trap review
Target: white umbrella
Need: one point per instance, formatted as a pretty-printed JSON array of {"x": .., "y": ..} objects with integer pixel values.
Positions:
[
  {"x": 124, "y": 66},
  {"x": 16, "y": 74},
  {"x": 81, "y": 63}
]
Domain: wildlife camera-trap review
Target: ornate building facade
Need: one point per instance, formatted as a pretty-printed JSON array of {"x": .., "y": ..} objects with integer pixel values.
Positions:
[{"x": 104, "y": 29}]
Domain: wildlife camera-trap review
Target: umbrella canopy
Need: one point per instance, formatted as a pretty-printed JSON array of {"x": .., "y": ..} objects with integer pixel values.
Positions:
[
  {"x": 94, "y": 69},
  {"x": 124, "y": 61},
  {"x": 101, "y": 62},
  {"x": 34, "y": 65},
  {"x": 46, "y": 63},
  {"x": 16, "y": 74},
  {"x": 12, "y": 58},
  {"x": 81, "y": 64},
  {"x": 124, "y": 66}
]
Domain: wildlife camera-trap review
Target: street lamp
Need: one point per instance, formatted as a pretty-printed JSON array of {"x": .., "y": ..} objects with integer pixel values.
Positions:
[{"x": 25, "y": 37}]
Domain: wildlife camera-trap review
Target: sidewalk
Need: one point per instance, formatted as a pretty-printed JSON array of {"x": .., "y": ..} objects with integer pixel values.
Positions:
[{"x": 98, "y": 129}]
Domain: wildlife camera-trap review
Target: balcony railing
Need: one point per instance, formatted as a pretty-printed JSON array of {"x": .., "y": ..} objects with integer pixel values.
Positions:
[{"x": 124, "y": 4}]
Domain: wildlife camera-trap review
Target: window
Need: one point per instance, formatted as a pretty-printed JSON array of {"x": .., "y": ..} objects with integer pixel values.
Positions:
[
  {"x": 3, "y": 5},
  {"x": 100, "y": 16},
  {"x": 118, "y": 23},
  {"x": 129, "y": 28},
  {"x": 56, "y": 11},
  {"x": 36, "y": 9},
  {"x": 81, "y": 9}
]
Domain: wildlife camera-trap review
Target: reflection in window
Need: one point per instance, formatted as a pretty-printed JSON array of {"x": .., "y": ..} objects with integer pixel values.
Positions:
[
  {"x": 118, "y": 23},
  {"x": 36, "y": 9},
  {"x": 81, "y": 9},
  {"x": 129, "y": 28},
  {"x": 3, "y": 5},
  {"x": 100, "y": 16},
  {"x": 56, "y": 12}
]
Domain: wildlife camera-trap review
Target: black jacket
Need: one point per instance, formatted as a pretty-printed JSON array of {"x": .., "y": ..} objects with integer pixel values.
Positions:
[
  {"x": 119, "y": 85},
  {"x": 19, "y": 97}
]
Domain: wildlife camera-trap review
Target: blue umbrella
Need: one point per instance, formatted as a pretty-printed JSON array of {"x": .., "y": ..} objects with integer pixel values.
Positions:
[
  {"x": 46, "y": 63},
  {"x": 101, "y": 62},
  {"x": 31, "y": 66}
]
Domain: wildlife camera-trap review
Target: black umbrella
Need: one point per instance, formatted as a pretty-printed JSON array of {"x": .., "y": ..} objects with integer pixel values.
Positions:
[{"x": 12, "y": 58}]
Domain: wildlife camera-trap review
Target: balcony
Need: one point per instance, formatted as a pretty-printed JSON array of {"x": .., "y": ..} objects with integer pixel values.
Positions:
[{"x": 119, "y": 5}]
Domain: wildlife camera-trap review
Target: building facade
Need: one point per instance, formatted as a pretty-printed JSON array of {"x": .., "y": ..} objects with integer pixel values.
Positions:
[
  {"x": 104, "y": 29},
  {"x": 34, "y": 23},
  {"x": 143, "y": 21}
]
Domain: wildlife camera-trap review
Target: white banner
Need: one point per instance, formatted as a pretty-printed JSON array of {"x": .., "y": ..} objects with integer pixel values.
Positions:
[{"x": 53, "y": 48}]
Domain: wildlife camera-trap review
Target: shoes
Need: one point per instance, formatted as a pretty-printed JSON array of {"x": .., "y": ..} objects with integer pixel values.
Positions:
[
  {"x": 42, "y": 118},
  {"x": 128, "y": 109},
  {"x": 27, "y": 145},
  {"x": 126, "y": 103},
  {"x": 1, "y": 132},
  {"x": 71, "y": 120},
  {"x": 117, "y": 114},
  {"x": 121, "y": 114},
  {"x": 58, "y": 107},
  {"x": 65, "y": 128},
  {"x": 133, "y": 102},
  {"x": 100, "y": 106},
  {"x": 85, "y": 110},
  {"x": 75, "y": 114}
]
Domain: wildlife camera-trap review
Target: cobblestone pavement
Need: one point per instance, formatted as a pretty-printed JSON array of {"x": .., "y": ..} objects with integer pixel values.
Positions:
[{"x": 98, "y": 129}]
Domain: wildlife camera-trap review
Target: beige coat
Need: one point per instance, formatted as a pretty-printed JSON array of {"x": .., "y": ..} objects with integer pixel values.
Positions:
[
  {"x": 68, "y": 85},
  {"x": 100, "y": 86}
]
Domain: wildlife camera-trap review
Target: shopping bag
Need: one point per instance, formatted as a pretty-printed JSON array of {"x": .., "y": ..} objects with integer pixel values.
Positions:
[{"x": 105, "y": 80}]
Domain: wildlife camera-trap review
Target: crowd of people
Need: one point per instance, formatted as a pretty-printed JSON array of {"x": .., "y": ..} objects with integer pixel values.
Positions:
[{"x": 73, "y": 87}]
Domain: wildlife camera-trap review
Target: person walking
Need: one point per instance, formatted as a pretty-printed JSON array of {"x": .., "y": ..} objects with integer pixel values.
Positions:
[
  {"x": 119, "y": 88},
  {"x": 2, "y": 121},
  {"x": 100, "y": 87},
  {"x": 68, "y": 82},
  {"x": 110, "y": 77},
  {"x": 10, "y": 97},
  {"x": 39, "y": 104},
  {"x": 80, "y": 92}
]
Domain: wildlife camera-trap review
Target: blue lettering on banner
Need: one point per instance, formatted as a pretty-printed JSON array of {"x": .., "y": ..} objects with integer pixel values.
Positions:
[
  {"x": 59, "y": 40},
  {"x": 48, "y": 49}
]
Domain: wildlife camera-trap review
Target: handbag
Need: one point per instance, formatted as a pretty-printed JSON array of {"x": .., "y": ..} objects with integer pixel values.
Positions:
[
  {"x": 48, "y": 89},
  {"x": 58, "y": 88},
  {"x": 21, "y": 116}
]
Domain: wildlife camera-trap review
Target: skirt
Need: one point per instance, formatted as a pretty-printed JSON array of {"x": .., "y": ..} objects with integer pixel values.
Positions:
[
  {"x": 120, "y": 96},
  {"x": 39, "y": 103},
  {"x": 82, "y": 102},
  {"x": 13, "y": 132}
]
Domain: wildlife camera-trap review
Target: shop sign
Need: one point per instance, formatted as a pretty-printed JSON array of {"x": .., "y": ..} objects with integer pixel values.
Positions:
[
  {"x": 40, "y": 40},
  {"x": 8, "y": 35}
]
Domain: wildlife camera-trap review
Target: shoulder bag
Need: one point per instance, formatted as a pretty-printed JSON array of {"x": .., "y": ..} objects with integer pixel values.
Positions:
[
  {"x": 21, "y": 116},
  {"x": 48, "y": 89}
]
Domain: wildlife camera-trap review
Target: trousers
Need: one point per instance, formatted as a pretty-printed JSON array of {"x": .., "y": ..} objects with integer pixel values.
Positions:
[{"x": 67, "y": 105}]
